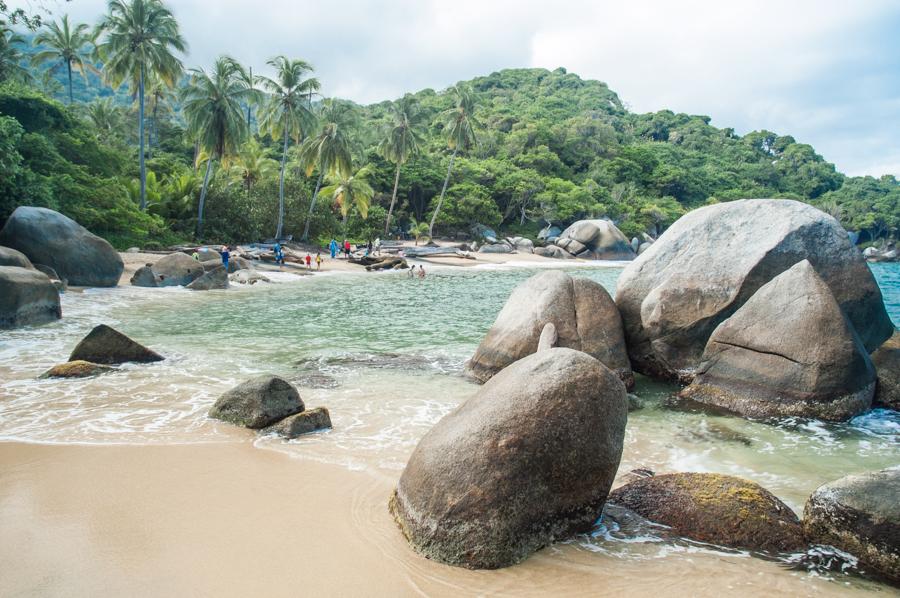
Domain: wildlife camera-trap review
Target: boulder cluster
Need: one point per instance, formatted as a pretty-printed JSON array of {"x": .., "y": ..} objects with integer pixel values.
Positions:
[
  {"x": 98, "y": 352},
  {"x": 272, "y": 405},
  {"x": 761, "y": 308}
]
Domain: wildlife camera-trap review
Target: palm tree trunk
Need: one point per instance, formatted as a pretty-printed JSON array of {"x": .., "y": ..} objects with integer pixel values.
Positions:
[
  {"x": 312, "y": 206},
  {"x": 281, "y": 184},
  {"x": 443, "y": 192},
  {"x": 153, "y": 130},
  {"x": 141, "y": 142},
  {"x": 387, "y": 223},
  {"x": 209, "y": 167},
  {"x": 249, "y": 106},
  {"x": 69, "y": 68}
]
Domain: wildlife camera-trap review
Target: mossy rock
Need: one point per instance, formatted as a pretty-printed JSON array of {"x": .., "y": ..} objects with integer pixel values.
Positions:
[
  {"x": 718, "y": 509},
  {"x": 77, "y": 369}
]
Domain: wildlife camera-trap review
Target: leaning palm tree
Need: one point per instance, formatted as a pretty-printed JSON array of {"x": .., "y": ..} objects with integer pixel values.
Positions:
[
  {"x": 459, "y": 125},
  {"x": 329, "y": 151},
  {"x": 140, "y": 38},
  {"x": 251, "y": 164},
  {"x": 401, "y": 142},
  {"x": 287, "y": 115},
  {"x": 350, "y": 191},
  {"x": 66, "y": 45},
  {"x": 212, "y": 108},
  {"x": 11, "y": 56}
]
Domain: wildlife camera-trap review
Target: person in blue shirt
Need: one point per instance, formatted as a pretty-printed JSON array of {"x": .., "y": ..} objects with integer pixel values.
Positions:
[
  {"x": 279, "y": 254},
  {"x": 333, "y": 246},
  {"x": 225, "y": 256}
]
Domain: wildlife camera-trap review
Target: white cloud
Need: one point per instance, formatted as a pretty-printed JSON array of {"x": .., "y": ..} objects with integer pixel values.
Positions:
[{"x": 826, "y": 71}]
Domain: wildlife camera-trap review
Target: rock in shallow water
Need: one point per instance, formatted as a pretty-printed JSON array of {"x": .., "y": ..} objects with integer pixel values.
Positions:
[
  {"x": 582, "y": 312},
  {"x": 719, "y": 509},
  {"x": 27, "y": 297},
  {"x": 302, "y": 423},
  {"x": 258, "y": 402},
  {"x": 77, "y": 369},
  {"x": 860, "y": 514},
  {"x": 108, "y": 346},
  {"x": 77, "y": 255},
  {"x": 528, "y": 460},
  {"x": 216, "y": 278},
  {"x": 713, "y": 259},
  {"x": 788, "y": 351}
]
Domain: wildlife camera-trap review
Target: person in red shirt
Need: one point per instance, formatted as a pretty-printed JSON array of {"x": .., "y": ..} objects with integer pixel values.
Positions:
[
  {"x": 308, "y": 262},
  {"x": 347, "y": 249}
]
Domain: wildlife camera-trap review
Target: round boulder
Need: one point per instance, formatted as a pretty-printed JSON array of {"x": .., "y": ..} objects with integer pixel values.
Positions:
[
  {"x": 258, "y": 402},
  {"x": 495, "y": 248},
  {"x": 528, "y": 460},
  {"x": 27, "y": 297},
  {"x": 306, "y": 422},
  {"x": 788, "y": 351},
  {"x": 77, "y": 255},
  {"x": 887, "y": 366},
  {"x": 718, "y": 509},
  {"x": 596, "y": 240},
  {"x": 861, "y": 515},
  {"x": 11, "y": 257},
  {"x": 176, "y": 269},
  {"x": 713, "y": 259},
  {"x": 584, "y": 315}
]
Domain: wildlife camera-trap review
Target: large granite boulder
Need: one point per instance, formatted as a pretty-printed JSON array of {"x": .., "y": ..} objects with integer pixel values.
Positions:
[
  {"x": 713, "y": 259},
  {"x": 595, "y": 240},
  {"x": 258, "y": 402},
  {"x": 176, "y": 269},
  {"x": 217, "y": 278},
  {"x": 308, "y": 421},
  {"x": 861, "y": 515},
  {"x": 788, "y": 351},
  {"x": 887, "y": 366},
  {"x": 108, "y": 346},
  {"x": 549, "y": 232},
  {"x": 585, "y": 317},
  {"x": 11, "y": 257},
  {"x": 27, "y": 297},
  {"x": 144, "y": 277},
  {"x": 554, "y": 252},
  {"x": 496, "y": 248},
  {"x": 77, "y": 255},
  {"x": 719, "y": 509},
  {"x": 528, "y": 460}
]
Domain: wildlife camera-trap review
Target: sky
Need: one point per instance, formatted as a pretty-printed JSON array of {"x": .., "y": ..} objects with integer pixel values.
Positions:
[{"x": 825, "y": 71}]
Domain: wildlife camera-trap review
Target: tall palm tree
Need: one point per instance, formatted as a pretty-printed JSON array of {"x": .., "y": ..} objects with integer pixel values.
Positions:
[
  {"x": 245, "y": 76},
  {"x": 212, "y": 108},
  {"x": 287, "y": 115},
  {"x": 459, "y": 125},
  {"x": 65, "y": 44},
  {"x": 349, "y": 191},
  {"x": 141, "y": 37},
  {"x": 11, "y": 55},
  {"x": 329, "y": 151},
  {"x": 160, "y": 96},
  {"x": 252, "y": 163},
  {"x": 401, "y": 142}
]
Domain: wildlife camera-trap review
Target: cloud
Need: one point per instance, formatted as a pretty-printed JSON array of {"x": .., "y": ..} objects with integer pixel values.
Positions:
[{"x": 826, "y": 71}]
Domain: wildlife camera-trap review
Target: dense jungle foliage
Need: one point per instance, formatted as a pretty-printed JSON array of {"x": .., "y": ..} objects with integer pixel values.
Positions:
[{"x": 516, "y": 150}]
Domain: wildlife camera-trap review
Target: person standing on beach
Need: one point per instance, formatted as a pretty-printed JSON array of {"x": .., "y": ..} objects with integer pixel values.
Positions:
[
  {"x": 279, "y": 255},
  {"x": 318, "y": 260},
  {"x": 226, "y": 255},
  {"x": 308, "y": 262},
  {"x": 347, "y": 248},
  {"x": 333, "y": 246}
]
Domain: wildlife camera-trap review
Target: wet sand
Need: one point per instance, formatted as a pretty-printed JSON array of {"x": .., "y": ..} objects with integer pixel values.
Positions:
[{"x": 231, "y": 519}]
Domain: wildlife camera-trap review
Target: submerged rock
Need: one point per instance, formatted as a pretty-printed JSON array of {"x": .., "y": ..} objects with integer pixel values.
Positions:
[
  {"x": 713, "y": 259},
  {"x": 11, "y": 257},
  {"x": 861, "y": 515},
  {"x": 216, "y": 278},
  {"x": 77, "y": 255},
  {"x": 582, "y": 312},
  {"x": 788, "y": 351},
  {"x": 887, "y": 366},
  {"x": 77, "y": 369},
  {"x": 302, "y": 423},
  {"x": 527, "y": 461},
  {"x": 105, "y": 345},
  {"x": 258, "y": 402},
  {"x": 718, "y": 509},
  {"x": 27, "y": 297}
]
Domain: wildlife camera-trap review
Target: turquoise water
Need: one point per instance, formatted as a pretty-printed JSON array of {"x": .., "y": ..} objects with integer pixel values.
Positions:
[{"x": 888, "y": 277}]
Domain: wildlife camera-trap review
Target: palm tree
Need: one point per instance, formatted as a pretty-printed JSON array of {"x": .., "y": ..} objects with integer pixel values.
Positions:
[
  {"x": 350, "y": 191},
  {"x": 105, "y": 116},
  {"x": 329, "y": 151},
  {"x": 252, "y": 163},
  {"x": 65, "y": 44},
  {"x": 140, "y": 37},
  {"x": 401, "y": 142},
  {"x": 419, "y": 230},
  {"x": 287, "y": 115},
  {"x": 11, "y": 56},
  {"x": 212, "y": 109},
  {"x": 245, "y": 75},
  {"x": 159, "y": 96},
  {"x": 459, "y": 124}
]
